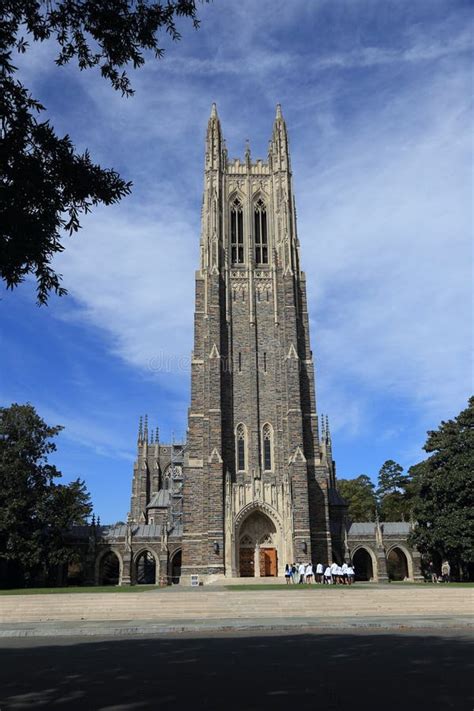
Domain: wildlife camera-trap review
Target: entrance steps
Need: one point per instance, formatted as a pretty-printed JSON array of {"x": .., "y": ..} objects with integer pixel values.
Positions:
[
  {"x": 218, "y": 604},
  {"x": 245, "y": 581}
]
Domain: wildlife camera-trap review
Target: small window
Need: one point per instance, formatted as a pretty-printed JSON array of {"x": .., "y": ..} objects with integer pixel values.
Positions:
[
  {"x": 240, "y": 441},
  {"x": 240, "y": 362},
  {"x": 265, "y": 362},
  {"x": 261, "y": 237},
  {"x": 267, "y": 448},
  {"x": 236, "y": 233}
]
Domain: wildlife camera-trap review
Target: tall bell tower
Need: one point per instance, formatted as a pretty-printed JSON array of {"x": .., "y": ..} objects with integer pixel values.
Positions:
[{"x": 257, "y": 484}]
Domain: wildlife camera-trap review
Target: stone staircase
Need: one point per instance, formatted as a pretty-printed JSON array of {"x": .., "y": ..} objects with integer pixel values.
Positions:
[{"x": 205, "y": 604}]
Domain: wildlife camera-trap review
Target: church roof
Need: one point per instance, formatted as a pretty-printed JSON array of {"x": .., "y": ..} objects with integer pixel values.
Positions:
[
  {"x": 160, "y": 500},
  {"x": 389, "y": 528}
]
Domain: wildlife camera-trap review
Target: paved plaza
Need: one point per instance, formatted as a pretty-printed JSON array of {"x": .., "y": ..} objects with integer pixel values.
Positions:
[{"x": 314, "y": 670}]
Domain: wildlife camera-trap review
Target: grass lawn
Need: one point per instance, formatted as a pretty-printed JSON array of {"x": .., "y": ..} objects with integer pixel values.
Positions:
[
  {"x": 357, "y": 586},
  {"x": 85, "y": 589}
]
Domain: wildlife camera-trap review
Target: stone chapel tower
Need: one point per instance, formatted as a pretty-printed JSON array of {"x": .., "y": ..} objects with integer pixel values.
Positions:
[{"x": 258, "y": 485}]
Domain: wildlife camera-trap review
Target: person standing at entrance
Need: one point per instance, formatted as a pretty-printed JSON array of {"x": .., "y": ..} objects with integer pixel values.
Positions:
[
  {"x": 301, "y": 572},
  {"x": 288, "y": 573},
  {"x": 350, "y": 574},
  {"x": 309, "y": 574},
  {"x": 319, "y": 573},
  {"x": 446, "y": 572}
]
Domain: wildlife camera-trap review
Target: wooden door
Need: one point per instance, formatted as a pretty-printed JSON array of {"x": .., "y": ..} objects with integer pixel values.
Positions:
[
  {"x": 268, "y": 563},
  {"x": 246, "y": 563}
]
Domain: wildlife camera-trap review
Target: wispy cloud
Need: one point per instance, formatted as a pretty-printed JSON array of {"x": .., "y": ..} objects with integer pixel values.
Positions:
[{"x": 379, "y": 117}]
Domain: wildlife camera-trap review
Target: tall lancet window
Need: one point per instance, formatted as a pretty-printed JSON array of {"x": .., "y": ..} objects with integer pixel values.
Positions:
[
  {"x": 267, "y": 448},
  {"x": 236, "y": 232},
  {"x": 240, "y": 444},
  {"x": 261, "y": 238}
]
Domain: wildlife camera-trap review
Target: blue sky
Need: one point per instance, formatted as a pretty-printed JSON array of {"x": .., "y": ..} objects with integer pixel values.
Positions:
[{"x": 377, "y": 101}]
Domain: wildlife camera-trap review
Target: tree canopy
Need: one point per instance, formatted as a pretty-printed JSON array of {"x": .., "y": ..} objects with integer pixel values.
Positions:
[
  {"x": 35, "y": 510},
  {"x": 359, "y": 494},
  {"x": 444, "y": 505},
  {"x": 394, "y": 500},
  {"x": 45, "y": 184}
]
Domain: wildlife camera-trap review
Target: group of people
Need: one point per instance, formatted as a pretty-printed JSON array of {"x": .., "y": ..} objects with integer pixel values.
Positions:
[
  {"x": 445, "y": 576},
  {"x": 330, "y": 574}
]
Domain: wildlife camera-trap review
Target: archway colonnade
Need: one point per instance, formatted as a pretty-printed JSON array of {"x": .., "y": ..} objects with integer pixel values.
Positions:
[
  {"x": 143, "y": 567},
  {"x": 395, "y": 563}
]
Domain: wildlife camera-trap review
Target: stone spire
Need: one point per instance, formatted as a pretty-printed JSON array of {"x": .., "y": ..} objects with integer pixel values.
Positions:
[
  {"x": 145, "y": 429},
  {"x": 214, "y": 141},
  {"x": 279, "y": 147},
  {"x": 140, "y": 430}
]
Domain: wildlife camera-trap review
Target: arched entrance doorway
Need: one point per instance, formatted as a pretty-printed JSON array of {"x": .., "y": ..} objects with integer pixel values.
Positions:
[
  {"x": 176, "y": 568},
  {"x": 363, "y": 566},
  {"x": 109, "y": 569},
  {"x": 397, "y": 565},
  {"x": 257, "y": 547},
  {"x": 145, "y": 569}
]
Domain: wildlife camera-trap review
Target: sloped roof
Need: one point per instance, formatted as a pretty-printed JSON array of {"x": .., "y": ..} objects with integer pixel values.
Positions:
[
  {"x": 389, "y": 528},
  {"x": 160, "y": 500}
]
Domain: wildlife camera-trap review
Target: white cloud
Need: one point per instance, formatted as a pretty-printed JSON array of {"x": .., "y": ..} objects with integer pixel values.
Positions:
[
  {"x": 386, "y": 234},
  {"x": 381, "y": 195}
]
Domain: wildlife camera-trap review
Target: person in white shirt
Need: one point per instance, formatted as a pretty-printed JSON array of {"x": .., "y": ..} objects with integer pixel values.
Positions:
[
  {"x": 301, "y": 572},
  {"x": 334, "y": 567},
  {"x": 350, "y": 574},
  {"x": 309, "y": 574},
  {"x": 327, "y": 575},
  {"x": 319, "y": 573},
  {"x": 344, "y": 573}
]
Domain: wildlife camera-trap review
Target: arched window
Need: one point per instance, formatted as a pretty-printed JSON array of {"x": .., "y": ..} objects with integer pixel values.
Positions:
[
  {"x": 240, "y": 448},
  {"x": 267, "y": 447},
  {"x": 261, "y": 238},
  {"x": 236, "y": 232}
]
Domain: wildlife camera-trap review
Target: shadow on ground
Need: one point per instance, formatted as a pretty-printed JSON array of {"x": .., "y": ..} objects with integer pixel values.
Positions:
[{"x": 302, "y": 671}]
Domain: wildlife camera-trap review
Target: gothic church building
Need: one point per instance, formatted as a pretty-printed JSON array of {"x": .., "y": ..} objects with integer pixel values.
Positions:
[
  {"x": 256, "y": 483},
  {"x": 253, "y": 487}
]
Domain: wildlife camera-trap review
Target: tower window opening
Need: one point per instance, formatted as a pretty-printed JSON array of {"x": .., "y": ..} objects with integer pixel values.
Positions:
[
  {"x": 267, "y": 448},
  {"x": 265, "y": 362},
  {"x": 240, "y": 362},
  {"x": 261, "y": 237},
  {"x": 240, "y": 442},
  {"x": 236, "y": 233}
]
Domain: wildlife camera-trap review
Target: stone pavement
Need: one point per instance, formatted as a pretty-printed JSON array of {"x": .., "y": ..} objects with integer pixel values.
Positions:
[{"x": 219, "y": 609}]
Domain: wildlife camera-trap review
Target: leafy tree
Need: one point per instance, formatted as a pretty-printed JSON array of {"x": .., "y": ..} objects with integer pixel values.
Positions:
[
  {"x": 444, "y": 507},
  {"x": 45, "y": 184},
  {"x": 360, "y": 497},
  {"x": 34, "y": 509},
  {"x": 392, "y": 497}
]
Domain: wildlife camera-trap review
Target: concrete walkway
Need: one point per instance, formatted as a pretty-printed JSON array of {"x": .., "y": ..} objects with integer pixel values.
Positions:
[{"x": 204, "y": 609}]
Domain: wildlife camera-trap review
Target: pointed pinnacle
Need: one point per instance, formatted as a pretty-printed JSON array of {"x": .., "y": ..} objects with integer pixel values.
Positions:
[
  {"x": 213, "y": 110},
  {"x": 279, "y": 115},
  {"x": 140, "y": 428}
]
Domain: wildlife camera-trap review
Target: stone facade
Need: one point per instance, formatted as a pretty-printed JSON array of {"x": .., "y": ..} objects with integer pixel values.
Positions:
[
  {"x": 254, "y": 485},
  {"x": 253, "y": 443}
]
